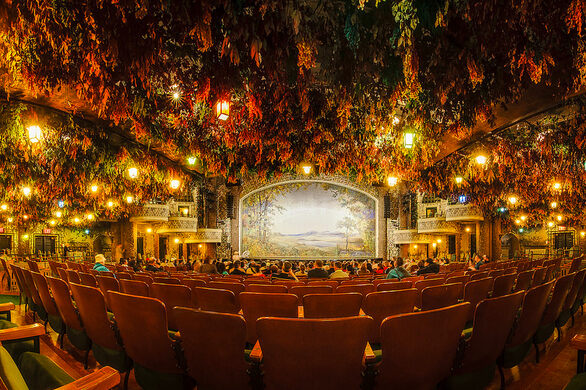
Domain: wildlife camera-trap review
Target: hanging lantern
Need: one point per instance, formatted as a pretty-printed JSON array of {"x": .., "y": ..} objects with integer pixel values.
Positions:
[
  {"x": 306, "y": 168},
  {"x": 175, "y": 184},
  {"x": 408, "y": 139},
  {"x": 34, "y": 134},
  {"x": 191, "y": 160},
  {"x": 129, "y": 199},
  {"x": 392, "y": 181},
  {"x": 223, "y": 110},
  {"x": 4, "y": 207},
  {"x": 132, "y": 173},
  {"x": 480, "y": 159},
  {"x": 459, "y": 179},
  {"x": 26, "y": 191}
]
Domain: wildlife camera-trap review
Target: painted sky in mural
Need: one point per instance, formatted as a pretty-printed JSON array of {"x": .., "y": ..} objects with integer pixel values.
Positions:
[{"x": 305, "y": 219}]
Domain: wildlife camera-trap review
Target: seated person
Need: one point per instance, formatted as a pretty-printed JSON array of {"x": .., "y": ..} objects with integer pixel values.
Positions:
[
  {"x": 338, "y": 271},
  {"x": 430, "y": 268},
  {"x": 399, "y": 272},
  {"x": 286, "y": 272},
  {"x": 151, "y": 266},
  {"x": 301, "y": 271},
  {"x": 238, "y": 270},
  {"x": 317, "y": 271},
  {"x": 207, "y": 267},
  {"x": 100, "y": 264}
]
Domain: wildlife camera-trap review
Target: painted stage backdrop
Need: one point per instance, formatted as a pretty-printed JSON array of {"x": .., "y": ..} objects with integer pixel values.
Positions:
[{"x": 306, "y": 219}]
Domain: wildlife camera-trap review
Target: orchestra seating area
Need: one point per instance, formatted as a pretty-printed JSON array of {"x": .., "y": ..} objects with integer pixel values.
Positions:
[{"x": 178, "y": 330}]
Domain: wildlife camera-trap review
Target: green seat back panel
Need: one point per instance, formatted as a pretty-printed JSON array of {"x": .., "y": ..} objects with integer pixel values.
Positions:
[
  {"x": 17, "y": 348},
  {"x": 57, "y": 324},
  {"x": 513, "y": 356},
  {"x": 154, "y": 380},
  {"x": 543, "y": 333},
  {"x": 78, "y": 338},
  {"x": 578, "y": 382},
  {"x": 9, "y": 372},
  {"x": 41, "y": 373},
  {"x": 477, "y": 379},
  {"x": 110, "y": 357},
  {"x": 563, "y": 318}
]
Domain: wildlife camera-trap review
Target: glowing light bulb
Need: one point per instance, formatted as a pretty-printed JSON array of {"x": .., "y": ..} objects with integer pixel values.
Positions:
[
  {"x": 467, "y": 229},
  {"x": 513, "y": 200},
  {"x": 76, "y": 220},
  {"x": 553, "y": 205},
  {"x": 94, "y": 188},
  {"x": 149, "y": 230},
  {"x": 58, "y": 214},
  {"x": 550, "y": 224},
  {"x": 557, "y": 185},
  {"x": 396, "y": 120},
  {"x": 459, "y": 179},
  {"x": 392, "y": 181},
  {"x": 9, "y": 219},
  {"x": 25, "y": 237},
  {"x": 34, "y": 134},
  {"x": 176, "y": 241},
  {"x": 4, "y": 207},
  {"x": 90, "y": 216},
  {"x": 26, "y": 191},
  {"x": 434, "y": 244},
  {"x": 583, "y": 233},
  {"x": 560, "y": 217},
  {"x": 185, "y": 211},
  {"x": 191, "y": 160},
  {"x": 129, "y": 199},
  {"x": 133, "y": 173},
  {"x": 25, "y": 217},
  {"x": 517, "y": 221},
  {"x": 110, "y": 204},
  {"x": 481, "y": 159},
  {"x": 176, "y": 95},
  {"x": 52, "y": 222},
  {"x": 306, "y": 169},
  {"x": 415, "y": 246},
  {"x": 175, "y": 184},
  {"x": 223, "y": 110},
  {"x": 439, "y": 240},
  {"x": 523, "y": 218}
]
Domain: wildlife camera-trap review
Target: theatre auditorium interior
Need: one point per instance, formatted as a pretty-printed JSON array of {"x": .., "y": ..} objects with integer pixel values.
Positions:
[{"x": 292, "y": 194}]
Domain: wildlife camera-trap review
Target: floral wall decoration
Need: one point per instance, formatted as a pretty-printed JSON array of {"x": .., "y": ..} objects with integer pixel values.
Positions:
[{"x": 336, "y": 83}]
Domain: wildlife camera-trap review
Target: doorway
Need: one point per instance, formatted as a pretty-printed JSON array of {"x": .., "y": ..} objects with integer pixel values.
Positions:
[
  {"x": 44, "y": 244},
  {"x": 162, "y": 247}
]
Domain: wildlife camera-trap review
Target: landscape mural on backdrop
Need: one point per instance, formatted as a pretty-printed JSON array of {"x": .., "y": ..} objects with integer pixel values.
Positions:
[{"x": 308, "y": 219}]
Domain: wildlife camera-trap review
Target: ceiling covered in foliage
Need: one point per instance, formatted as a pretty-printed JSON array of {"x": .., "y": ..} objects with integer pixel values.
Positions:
[{"x": 333, "y": 83}]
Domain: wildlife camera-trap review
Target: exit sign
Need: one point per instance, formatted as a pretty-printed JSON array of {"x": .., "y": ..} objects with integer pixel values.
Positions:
[
  {"x": 46, "y": 231},
  {"x": 561, "y": 228}
]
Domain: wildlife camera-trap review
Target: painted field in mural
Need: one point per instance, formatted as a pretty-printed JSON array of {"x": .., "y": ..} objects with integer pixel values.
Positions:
[{"x": 305, "y": 219}]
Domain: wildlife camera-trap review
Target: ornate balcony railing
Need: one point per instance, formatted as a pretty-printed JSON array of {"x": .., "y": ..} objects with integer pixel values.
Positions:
[
  {"x": 436, "y": 225},
  {"x": 179, "y": 225},
  {"x": 411, "y": 236},
  {"x": 151, "y": 213},
  {"x": 463, "y": 212},
  {"x": 207, "y": 235}
]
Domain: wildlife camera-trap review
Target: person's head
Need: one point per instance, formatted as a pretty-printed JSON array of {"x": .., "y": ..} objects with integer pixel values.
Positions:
[
  {"x": 319, "y": 264},
  {"x": 302, "y": 267},
  {"x": 220, "y": 267},
  {"x": 338, "y": 265},
  {"x": 100, "y": 259},
  {"x": 363, "y": 266},
  {"x": 237, "y": 264},
  {"x": 286, "y": 266},
  {"x": 274, "y": 269},
  {"x": 429, "y": 260},
  {"x": 399, "y": 262}
]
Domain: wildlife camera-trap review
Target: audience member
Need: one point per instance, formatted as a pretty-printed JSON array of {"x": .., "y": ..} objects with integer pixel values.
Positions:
[
  {"x": 430, "y": 267},
  {"x": 399, "y": 272},
  {"x": 100, "y": 263},
  {"x": 317, "y": 271},
  {"x": 338, "y": 273}
]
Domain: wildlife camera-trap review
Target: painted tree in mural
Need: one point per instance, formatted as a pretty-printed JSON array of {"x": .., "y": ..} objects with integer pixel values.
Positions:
[{"x": 348, "y": 224}]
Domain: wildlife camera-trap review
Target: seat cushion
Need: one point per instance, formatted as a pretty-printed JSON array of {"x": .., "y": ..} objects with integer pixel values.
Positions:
[
  {"x": 78, "y": 339},
  {"x": 57, "y": 324},
  {"x": 578, "y": 382},
  {"x": 113, "y": 358},
  {"x": 154, "y": 380},
  {"x": 16, "y": 348},
  {"x": 42, "y": 373},
  {"x": 514, "y": 355},
  {"x": 478, "y": 379},
  {"x": 543, "y": 333},
  {"x": 9, "y": 372}
]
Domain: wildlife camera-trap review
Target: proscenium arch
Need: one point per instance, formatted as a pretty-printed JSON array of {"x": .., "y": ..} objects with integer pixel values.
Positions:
[{"x": 332, "y": 182}]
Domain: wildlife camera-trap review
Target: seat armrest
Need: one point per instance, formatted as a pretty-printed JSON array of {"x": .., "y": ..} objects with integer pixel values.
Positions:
[
  {"x": 22, "y": 332},
  {"x": 103, "y": 379},
  {"x": 579, "y": 342},
  {"x": 6, "y": 306}
]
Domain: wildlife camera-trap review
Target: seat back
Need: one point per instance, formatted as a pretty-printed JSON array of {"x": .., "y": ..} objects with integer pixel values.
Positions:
[
  {"x": 214, "y": 299},
  {"x": 503, "y": 285},
  {"x": 435, "y": 297},
  {"x": 532, "y": 310},
  {"x": 335, "y": 352},
  {"x": 301, "y": 291},
  {"x": 34, "y": 293},
  {"x": 475, "y": 291},
  {"x": 146, "y": 341},
  {"x": 73, "y": 276},
  {"x": 458, "y": 279},
  {"x": 332, "y": 305},
  {"x": 144, "y": 278},
  {"x": 63, "y": 274},
  {"x": 382, "y": 304},
  {"x": 493, "y": 320},
  {"x": 561, "y": 289},
  {"x": 122, "y": 275},
  {"x": 68, "y": 313},
  {"x": 524, "y": 280},
  {"x": 193, "y": 283},
  {"x": 165, "y": 280},
  {"x": 134, "y": 287},
  {"x": 88, "y": 279},
  {"x": 266, "y": 288},
  {"x": 92, "y": 310},
  {"x": 107, "y": 283},
  {"x": 333, "y": 283},
  {"x": 478, "y": 275},
  {"x": 171, "y": 295},
  {"x": 576, "y": 286},
  {"x": 420, "y": 285},
  {"x": 575, "y": 265},
  {"x": 496, "y": 273},
  {"x": 407, "y": 360},
  {"x": 549, "y": 273},
  {"x": 392, "y": 286},
  {"x": 236, "y": 288},
  {"x": 257, "y": 305},
  {"x": 33, "y": 266},
  {"x": 538, "y": 276},
  {"x": 222, "y": 368},
  {"x": 362, "y": 289},
  {"x": 44, "y": 293}
]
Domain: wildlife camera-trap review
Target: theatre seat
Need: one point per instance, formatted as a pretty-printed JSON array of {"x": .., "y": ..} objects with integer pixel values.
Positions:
[
  {"x": 87, "y": 279},
  {"x": 408, "y": 361},
  {"x": 134, "y": 287},
  {"x": 257, "y": 305},
  {"x": 332, "y": 305},
  {"x": 215, "y": 299},
  {"x": 382, "y": 304},
  {"x": 320, "y": 354},
  {"x": 503, "y": 285},
  {"x": 221, "y": 338},
  {"x": 493, "y": 320},
  {"x": 523, "y": 281},
  {"x": 53, "y": 314},
  {"x": 435, "y": 297},
  {"x": 171, "y": 295},
  {"x": 566, "y": 312},
  {"x": 391, "y": 286},
  {"x": 475, "y": 291}
]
